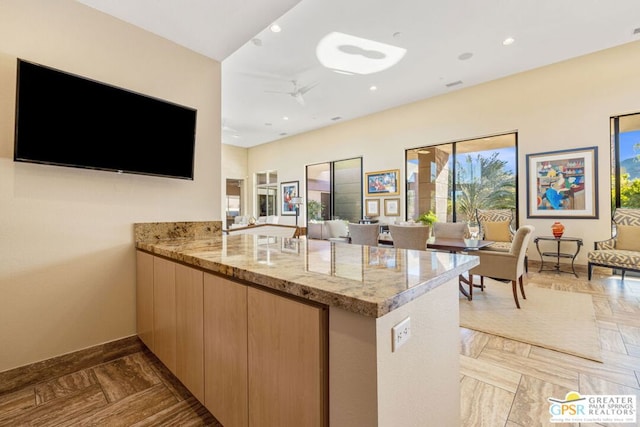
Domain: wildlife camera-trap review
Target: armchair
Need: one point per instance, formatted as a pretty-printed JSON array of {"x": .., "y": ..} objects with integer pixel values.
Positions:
[
  {"x": 498, "y": 225},
  {"x": 364, "y": 234},
  {"x": 409, "y": 236},
  {"x": 505, "y": 265},
  {"x": 622, "y": 250}
]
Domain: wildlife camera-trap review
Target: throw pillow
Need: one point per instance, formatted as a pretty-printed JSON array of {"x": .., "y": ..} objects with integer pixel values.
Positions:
[
  {"x": 497, "y": 231},
  {"x": 628, "y": 237}
]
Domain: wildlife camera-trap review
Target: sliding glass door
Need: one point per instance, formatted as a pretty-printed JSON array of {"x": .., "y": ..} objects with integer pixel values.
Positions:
[
  {"x": 453, "y": 180},
  {"x": 334, "y": 190}
]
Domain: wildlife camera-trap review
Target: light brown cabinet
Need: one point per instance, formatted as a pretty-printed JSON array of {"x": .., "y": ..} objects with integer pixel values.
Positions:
[
  {"x": 253, "y": 357},
  {"x": 287, "y": 362},
  {"x": 190, "y": 329},
  {"x": 144, "y": 298},
  {"x": 225, "y": 350},
  {"x": 164, "y": 312}
]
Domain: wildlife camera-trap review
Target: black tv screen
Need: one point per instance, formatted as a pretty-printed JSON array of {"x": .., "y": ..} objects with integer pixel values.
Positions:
[{"x": 66, "y": 120}]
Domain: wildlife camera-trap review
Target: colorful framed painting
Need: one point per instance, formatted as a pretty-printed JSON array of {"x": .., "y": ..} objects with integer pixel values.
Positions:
[
  {"x": 391, "y": 207},
  {"x": 289, "y": 190},
  {"x": 382, "y": 183},
  {"x": 372, "y": 207},
  {"x": 563, "y": 184}
]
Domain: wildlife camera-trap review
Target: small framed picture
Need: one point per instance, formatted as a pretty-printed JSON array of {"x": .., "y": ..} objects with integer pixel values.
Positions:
[
  {"x": 382, "y": 183},
  {"x": 391, "y": 207},
  {"x": 289, "y": 190},
  {"x": 372, "y": 207}
]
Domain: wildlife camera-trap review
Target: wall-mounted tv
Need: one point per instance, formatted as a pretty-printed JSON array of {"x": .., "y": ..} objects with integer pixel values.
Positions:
[{"x": 66, "y": 120}]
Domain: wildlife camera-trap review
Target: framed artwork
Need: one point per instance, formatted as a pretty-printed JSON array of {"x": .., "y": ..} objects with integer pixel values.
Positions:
[
  {"x": 563, "y": 184},
  {"x": 372, "y": 207},
  {"x": 289, "y": 190},
  {"x": 382, "y": 183},
  {"x": 391, "y": 207}
]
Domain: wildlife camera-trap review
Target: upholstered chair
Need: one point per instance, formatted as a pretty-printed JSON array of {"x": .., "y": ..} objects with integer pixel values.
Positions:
[
  {"x": 498, "y": 225},
  {"x": 505, "y": 265},
  {"x": 622, "y": 250},
  {"x": 409, "y": 236},
  {"x": 364, "y": 234},
  {"x": 450, "y": 230},
  {"x": 337, "y": 230}
]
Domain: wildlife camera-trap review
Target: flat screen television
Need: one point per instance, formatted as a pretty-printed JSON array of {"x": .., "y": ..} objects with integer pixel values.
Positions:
[{"x": 66, "y": 120}]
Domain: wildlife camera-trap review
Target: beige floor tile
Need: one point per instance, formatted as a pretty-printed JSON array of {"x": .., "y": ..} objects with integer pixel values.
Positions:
[
  {"x": 612, "y": 341},
  {"x": 630, "y": 334},
  {"x": 483, "y": 404},
  {"x": 472, "y": 342},
  {"x": 531, "y": 405},
  {"x": 557, "y": 375},
  {"x": 64, "y": 386},
  {"x": 125, "y": 376},
  {"x": 508, "y": 346},
  {"x": 11, "y": 403},
  {"x": 490, "y": 373}
]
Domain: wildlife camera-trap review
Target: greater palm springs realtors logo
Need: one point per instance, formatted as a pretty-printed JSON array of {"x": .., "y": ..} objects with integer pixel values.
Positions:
[{"x": 593, "y": 408}]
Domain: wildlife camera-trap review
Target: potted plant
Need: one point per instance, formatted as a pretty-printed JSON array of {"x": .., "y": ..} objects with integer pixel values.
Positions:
[
  {"x": 427, "y": 218},
  {"x": 314, "y": 210}
]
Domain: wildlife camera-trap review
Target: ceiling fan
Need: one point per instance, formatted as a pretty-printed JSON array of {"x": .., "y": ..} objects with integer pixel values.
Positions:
[{"x": 297, "y": 92}]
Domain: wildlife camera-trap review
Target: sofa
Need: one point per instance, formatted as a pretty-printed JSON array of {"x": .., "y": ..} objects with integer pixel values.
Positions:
[{"x": 622, "y": 250}]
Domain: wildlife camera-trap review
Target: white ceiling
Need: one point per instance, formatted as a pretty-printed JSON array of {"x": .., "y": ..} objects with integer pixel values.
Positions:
[{"x": 435, "y": 34}]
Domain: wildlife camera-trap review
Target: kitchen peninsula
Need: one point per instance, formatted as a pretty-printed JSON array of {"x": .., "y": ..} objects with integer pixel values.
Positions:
[{"x": 271, "y": 330}]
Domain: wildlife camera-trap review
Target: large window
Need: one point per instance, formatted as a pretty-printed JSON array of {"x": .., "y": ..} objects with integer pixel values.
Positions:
[
  {"x": 625, "y": 161},
  {"x": 267, "y": 193},
  {"x": 334, "y": 190},
  {"x": 453, "y": 180}
]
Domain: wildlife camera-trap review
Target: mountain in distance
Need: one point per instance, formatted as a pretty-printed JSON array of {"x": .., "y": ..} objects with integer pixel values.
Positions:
[{"x": 632, "y": 167}]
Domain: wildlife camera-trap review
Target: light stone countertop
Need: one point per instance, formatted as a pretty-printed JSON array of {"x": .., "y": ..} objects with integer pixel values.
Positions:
[{"x": 371, "y": 281}]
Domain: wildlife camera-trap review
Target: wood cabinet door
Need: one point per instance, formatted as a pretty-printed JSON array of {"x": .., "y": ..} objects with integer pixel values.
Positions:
[
  {"x": 189, "y": 329},
  {"x": 144, "y": 298},
  {"x": 164, "y": 312},
  {"x": 225, "y": 350},
  {"x": 287, "y": 361}
]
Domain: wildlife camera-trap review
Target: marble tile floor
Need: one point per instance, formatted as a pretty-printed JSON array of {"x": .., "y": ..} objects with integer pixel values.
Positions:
[
  {"x": 507, "y": 383},
  {"x": 503, "y": 382}
]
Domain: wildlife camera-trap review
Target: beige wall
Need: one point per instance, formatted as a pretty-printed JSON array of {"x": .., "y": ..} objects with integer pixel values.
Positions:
[
  {"x": 67, "y": 269},
  {"x": 565, "y": 105}
]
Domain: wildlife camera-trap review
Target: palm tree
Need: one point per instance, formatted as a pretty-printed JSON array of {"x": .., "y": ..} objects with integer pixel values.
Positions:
[{"x": 490, "y": 187}]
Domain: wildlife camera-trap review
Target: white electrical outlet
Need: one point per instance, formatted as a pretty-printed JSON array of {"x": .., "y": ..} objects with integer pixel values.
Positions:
[{"x": 400, "y": 334}]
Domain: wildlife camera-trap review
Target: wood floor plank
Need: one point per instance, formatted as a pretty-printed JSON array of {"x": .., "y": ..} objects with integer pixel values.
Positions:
[
  {"x": 64, "y": 386},
  {"x": 125, "y": 376},
  {"x": 62, "y": 411},
  {"x": 130, "y": 409},
  {"x": 491, "y": 410},
  {"x": 17, "y": 401},
  {"x": 185, "y": 413}
]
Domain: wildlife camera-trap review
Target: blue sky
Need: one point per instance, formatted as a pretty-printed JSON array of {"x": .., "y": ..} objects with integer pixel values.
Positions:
[{"x": 627, "y": 141}]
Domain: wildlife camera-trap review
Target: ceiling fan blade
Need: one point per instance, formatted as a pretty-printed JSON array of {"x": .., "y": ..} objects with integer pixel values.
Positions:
[
  {"x": 298, "y": 97},
  {"x": 307, "y": 88}
]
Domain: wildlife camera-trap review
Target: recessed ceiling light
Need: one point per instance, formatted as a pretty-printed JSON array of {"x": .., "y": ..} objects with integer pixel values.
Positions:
[
  {"x": 636, "y": 31},
  {"x": 508, "y": 41},
  {"x": 351, "y": 54},
  {"x": 285, "y": 118},
  {"x": 336, "y": 118},
  {"x": 275, "y": 28},
  {"x": 465, "y": 56},
  {"x": 373, "y": 88}
]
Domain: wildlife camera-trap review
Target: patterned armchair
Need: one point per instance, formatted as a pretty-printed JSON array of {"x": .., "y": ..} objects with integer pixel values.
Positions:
[
  {"x": 622, "y": 250},
  {"x": 498, "y": 225}
]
